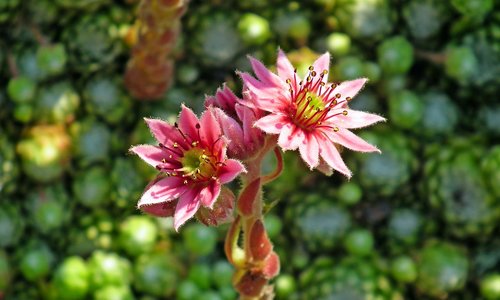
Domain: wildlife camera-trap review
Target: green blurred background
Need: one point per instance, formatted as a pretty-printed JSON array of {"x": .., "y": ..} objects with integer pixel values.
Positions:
[{"x": 419, "y": 221}]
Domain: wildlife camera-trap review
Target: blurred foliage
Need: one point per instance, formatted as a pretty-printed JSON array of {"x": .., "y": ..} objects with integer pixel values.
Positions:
[{"x": 419, "y": 221}]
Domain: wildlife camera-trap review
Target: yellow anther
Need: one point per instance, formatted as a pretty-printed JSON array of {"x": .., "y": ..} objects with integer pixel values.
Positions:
[
  {"x": 338, "y": 95},
  {"x": 344, "y": 112},
  {"x": 348, "y": 98},
  {"x": 335, "y": 129},
  {"x": 311, "y": 68}
]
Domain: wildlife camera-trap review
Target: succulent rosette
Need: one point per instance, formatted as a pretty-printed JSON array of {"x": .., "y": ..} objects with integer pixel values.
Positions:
[
  {"x": 191, "y": 157},
  {"x": 310, "y": 114}
]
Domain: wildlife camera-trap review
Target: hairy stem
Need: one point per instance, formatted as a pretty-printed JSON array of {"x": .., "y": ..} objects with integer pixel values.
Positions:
[{"x": 249, "y": 279}]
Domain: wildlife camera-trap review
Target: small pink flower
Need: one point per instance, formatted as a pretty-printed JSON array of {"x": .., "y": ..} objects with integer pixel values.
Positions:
[
  {"x": 191, "y": 157},
  {"x": 309, "y": 114},
  {"x": 236, "y": 121}
]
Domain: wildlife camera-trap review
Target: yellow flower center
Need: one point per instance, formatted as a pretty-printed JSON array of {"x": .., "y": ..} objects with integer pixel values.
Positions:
[{"x": 197, "y": 165}]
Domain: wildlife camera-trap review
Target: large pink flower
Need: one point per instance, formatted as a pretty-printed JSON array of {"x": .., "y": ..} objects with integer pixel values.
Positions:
[
  {"x": 309, "y": 114},
  {"x": 236, "y": 121},
  {"x": 191, "y": 157}
]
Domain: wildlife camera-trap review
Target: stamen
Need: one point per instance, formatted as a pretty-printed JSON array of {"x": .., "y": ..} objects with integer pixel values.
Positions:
[
  {"x": 169, "y": 149},
  {"x": 184, "y": 137}
]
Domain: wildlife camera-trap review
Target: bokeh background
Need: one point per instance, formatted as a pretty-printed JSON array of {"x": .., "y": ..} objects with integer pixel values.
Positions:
[{"x": 419, "y": 221}]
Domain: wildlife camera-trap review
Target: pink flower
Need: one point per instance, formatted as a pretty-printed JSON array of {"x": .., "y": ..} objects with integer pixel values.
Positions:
[
  {"x": 191, "y": 157},
  {"x": 309, "y": 114},
  {"x": 236, "y": 121}
]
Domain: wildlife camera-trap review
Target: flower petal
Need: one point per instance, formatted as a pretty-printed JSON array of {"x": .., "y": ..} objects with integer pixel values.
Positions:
[
  {"x": 187, "y": 206},
  {"x": 357, "y": 119},
  {"x": 230, "y": 170},
  {"x": 209, "y": 194},
  {"x": 290, "y": 137},
  {"x": 251, "y": 135},
  {"x": 163, "y": 210},
  {"x": 164, "y": 190},
  {"x": 150, "y": 154},
  {"x": 272, "y": 123},
  {"x": 324, "y": 168},
  {"x": 309, "y": 151},
  {"x": 322, "y": 64},
  {"x": 332, "y": 157},
  {"x": 350, "y": 88},
  {"x": 209, "y": 128},
  {"x": 187, "y": 123},
  {"x": 231, "y": 128},
  {"x": 224, "y": 99},
  {"x": 268, "y": 98},
  {"x": 348, "y": 139},
  {"x": 263, "y": 74},
  {"x": 161, "y": 130},
  {"x": 285, "y": 68}
]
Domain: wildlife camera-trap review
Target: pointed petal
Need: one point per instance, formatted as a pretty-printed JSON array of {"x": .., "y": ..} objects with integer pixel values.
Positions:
[
  {"x": 186, "y": 207},
  {"x": 290, "y": 137},
  {"x": 161, "y": 130},
  {"x": 285, "y": 68},
  {"x": 251, "y": 135},
  {"x": 224, "y": 99},
  {"x": 209, "y": 128},
  {"x": 322, "y": 64},
  {"x": 263, "y": 74},
  {"x": 309, "y": 151},
  {"x": 332, "y": 157},
  {"x": 272, "y": 123},
  {"x": 357, "y": 119},
  {"x": 211, "y": 101},
  {"x": 209, "y": 194},
  {"x": 231, "y": 128},
  {"x": 230, "y": 170},
  {"x": 163, "y": 210},
  {"x": 187, "y": 123},
  {"x": 350, "y": 88},
  {"x": 150, "y": 154},
  {"x": 268, "y": 98},
  {"x": 348, "y": 139},
  {"x": 164, "y": 190},
  {"x": 324, "y": 168}
]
